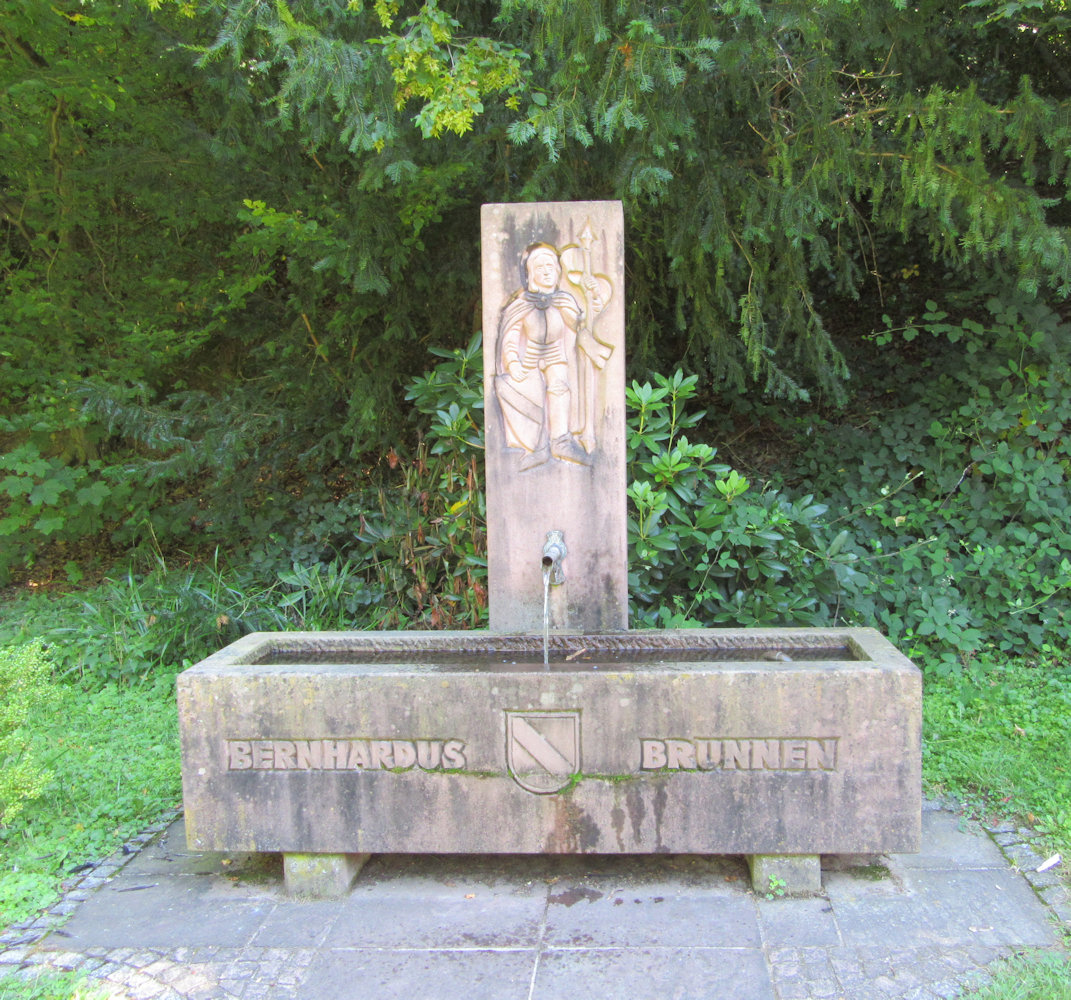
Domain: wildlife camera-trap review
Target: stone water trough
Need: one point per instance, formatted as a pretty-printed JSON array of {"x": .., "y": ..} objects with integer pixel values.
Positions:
[
  {"x": 778, "y": 744},
  {"x": 326, "y": 747}
]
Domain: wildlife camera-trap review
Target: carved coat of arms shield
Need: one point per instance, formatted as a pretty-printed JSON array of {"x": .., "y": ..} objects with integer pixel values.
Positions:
[{"x": 543, "y": 749}]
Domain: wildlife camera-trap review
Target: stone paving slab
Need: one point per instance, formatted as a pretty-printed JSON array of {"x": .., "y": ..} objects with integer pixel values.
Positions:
[
  {"x": 952, "y": 841},
  {"x": 652, "y": 974},
  {"x": 184, "y": 910},
  {"x": 653, "y": 916},
  {"x": 466, "y": 921},
  {"x": 301, "y": 925},
  {"x": 803, "y": 923},
  {"x": 429, "y": 975},
  {"x": 170, "y": 924},
  {"x": 945, "y": 908}
]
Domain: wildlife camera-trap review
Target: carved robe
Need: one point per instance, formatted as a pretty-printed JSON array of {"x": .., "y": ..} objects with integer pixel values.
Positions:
[{"x": 537, "y": 335}]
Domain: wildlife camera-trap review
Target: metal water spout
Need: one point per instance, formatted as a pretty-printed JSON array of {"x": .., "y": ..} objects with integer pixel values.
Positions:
[{"x": 554, "y": 551}]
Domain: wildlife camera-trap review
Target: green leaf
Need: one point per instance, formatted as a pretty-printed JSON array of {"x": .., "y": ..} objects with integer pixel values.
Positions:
[
  {"x": 93, "y": 495},
  {"x": 47, "y": 524}
]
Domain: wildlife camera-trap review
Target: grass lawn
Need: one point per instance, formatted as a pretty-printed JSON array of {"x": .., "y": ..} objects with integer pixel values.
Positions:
[
  {"x": 999, "y": 739},
  {"x": 49, "y": 986},
  {"x": 1037, "y": 977},
  {"x": 113, "y": 756}
]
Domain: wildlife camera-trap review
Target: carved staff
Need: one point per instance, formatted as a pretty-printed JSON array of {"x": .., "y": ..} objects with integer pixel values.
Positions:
[{"x": 596, "y": 351}]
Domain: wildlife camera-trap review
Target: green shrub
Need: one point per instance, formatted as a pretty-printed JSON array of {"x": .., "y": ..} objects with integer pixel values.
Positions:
[
  {"x": 428, "y": 540},
  {"x": 705, "y": 549},
  {"x": 941, "y": 518},
  {"x": 132, "y": 626},
  {"x": 403, "y": 549},
  {"x": 46, "y": 498},
  {"x": 25, "y": 681},
  {"x": 103, "y": 464},
  {"x": 956, "y": 496},
  {"x": 325, "y": 596}
]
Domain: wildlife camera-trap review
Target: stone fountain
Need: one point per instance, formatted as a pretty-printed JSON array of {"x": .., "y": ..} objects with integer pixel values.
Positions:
[{"x": 558, "y": 730}]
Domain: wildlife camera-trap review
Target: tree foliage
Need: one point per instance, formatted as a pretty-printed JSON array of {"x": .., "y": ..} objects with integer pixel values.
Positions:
[
  {"x": 765, "y": 151},
  {"x": 115, "y": 213},
  {"x": 230, "y": 228}
]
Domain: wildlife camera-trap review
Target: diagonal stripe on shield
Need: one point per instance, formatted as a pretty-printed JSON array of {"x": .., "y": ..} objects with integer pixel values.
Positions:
[{"x": 543, "y": 749}]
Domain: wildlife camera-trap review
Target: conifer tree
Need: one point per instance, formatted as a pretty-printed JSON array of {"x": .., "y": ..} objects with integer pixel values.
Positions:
[{"x": 765, "y": 151}]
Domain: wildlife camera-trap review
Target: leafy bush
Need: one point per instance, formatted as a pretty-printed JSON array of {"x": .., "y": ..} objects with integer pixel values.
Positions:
[
  {"x": 25, "y": 681},
  {"x": 46, "y": 498},
  {"x": 441, "y": 537},
  {"x": 186, "y": 471},
  {"x": 325, "y": 596},
  {"x": 956, "y": 499},
  {"x": 408, "y": 550},
  {"x": 944, "y": 522},
  {"x": 129, "y": 628},
  {"x": 704, "y": 548}
]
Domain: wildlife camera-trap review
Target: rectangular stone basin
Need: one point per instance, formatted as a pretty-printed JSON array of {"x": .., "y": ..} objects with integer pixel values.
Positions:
[{"x": 756, "y": 742}]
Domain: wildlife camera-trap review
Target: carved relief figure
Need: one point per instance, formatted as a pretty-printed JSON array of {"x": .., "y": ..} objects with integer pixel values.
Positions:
[{"x": 548, "y": 355}]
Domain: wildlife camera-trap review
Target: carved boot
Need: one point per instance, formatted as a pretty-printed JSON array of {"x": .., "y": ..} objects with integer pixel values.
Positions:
[
  {"x": 567, "y": 449},
  {"x": 536, "y": 458}
]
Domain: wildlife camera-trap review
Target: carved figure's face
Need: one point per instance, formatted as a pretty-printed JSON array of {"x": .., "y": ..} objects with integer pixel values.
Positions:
[{"x": 543, "y": 271}]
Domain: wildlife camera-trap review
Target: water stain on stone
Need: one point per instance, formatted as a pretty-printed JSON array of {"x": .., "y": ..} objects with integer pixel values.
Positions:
[
  {"x": 574, "y": 832},
  {"x": 570, "y": 897},
  {"x": 617, "y": 820},
  {"x": 659, "y": 813},
  {"x": 636, "y": 809}
]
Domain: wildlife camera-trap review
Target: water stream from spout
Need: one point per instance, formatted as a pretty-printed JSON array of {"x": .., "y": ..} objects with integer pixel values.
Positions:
[{"x": 546, "y": 616}]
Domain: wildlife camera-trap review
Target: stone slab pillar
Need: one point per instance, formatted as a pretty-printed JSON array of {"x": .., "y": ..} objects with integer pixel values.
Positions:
[{"x": 554, "y": 361}]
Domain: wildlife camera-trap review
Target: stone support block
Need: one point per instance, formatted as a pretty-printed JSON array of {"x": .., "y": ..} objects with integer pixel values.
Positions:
[
  {"x": 321, "y": 876},
  {"x": 785, "y": 874}
]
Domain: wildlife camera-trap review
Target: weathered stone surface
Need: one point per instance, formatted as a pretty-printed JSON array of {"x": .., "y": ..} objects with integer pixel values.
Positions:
[
  {"x": 401, "y": 749},
  {"x": 554, "y": 362}
]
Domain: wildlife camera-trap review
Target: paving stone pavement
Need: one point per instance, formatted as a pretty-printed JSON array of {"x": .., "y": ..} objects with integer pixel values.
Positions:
[{"x": 159, "y": 922}]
